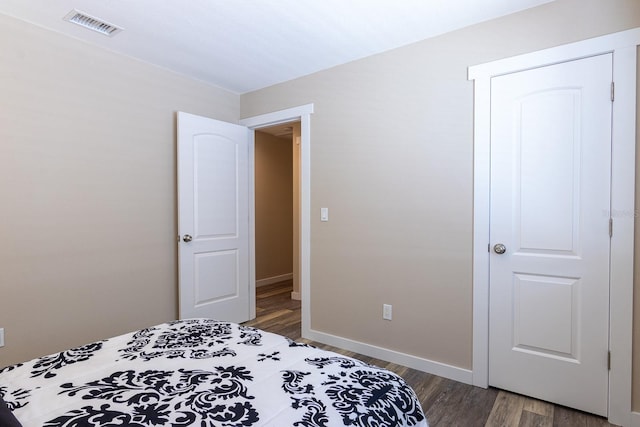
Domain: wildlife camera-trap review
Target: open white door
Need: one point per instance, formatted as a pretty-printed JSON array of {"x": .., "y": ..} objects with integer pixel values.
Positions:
[{"x": 213, "y": 219}]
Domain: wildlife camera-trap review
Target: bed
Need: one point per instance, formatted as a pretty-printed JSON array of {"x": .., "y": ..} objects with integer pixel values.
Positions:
[{"x": 206, "y": 373}]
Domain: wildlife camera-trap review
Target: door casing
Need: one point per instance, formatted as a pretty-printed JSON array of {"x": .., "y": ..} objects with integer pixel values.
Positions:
[
  {"x": 623, "y": 45},
  {"x": 303, "y": 115}
]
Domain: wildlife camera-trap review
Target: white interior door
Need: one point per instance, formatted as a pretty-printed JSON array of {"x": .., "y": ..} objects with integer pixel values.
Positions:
[
  {"x": 213, "y": 216},
  {"x": 550, "y": 201}
]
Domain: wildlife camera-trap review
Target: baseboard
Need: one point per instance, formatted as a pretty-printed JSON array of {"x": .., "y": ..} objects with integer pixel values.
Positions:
[
  {"x": 635, "y": 419},
  {"x": 296, "y": 296},
  {"x": 274, "y": 279},
  {"x": 425, "y": 365}
]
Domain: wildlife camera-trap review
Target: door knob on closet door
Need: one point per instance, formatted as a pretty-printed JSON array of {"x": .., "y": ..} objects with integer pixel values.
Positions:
[
  {"x": 186, "y": 238},
  {"x": 499, "y": 248}
]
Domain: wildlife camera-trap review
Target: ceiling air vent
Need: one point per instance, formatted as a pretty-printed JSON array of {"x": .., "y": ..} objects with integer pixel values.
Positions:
[{"x": 92, "y": 23}]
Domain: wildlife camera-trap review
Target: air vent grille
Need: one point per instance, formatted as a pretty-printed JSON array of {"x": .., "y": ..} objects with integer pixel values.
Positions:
[{"x": 92, "y": 23}]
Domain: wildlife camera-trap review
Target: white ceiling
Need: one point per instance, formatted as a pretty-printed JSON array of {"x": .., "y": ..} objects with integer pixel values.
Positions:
[{"x": 245, "y": 45}]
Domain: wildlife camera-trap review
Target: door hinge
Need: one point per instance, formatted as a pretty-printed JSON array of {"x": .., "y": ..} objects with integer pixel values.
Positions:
[
  {"x": 613, "y": 91},
  {"x": 610, "y": 227},
  {"x": 609, "y": 361},
  {"x": 488, "y": 247}
]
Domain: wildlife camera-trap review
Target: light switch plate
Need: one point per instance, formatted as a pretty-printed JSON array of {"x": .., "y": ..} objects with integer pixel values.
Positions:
[
  {"x": 324, "y": 214},
  {"x": 387, "y": 311}
]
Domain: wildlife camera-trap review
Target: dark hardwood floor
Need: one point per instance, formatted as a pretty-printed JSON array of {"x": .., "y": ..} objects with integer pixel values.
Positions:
[{"x": 445, "y": 402}]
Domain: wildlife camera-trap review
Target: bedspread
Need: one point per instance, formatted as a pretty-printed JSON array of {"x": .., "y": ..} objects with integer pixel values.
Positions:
[{"x": 207, "y": 373}]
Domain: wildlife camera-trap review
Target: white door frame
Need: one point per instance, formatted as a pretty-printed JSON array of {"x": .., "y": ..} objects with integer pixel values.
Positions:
[
  {"x": 623, "y": 45},
  {"x": 302, "y": 114}
]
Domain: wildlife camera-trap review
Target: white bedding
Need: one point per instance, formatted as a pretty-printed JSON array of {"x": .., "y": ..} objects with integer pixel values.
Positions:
[{"x": 206, "y": 373}]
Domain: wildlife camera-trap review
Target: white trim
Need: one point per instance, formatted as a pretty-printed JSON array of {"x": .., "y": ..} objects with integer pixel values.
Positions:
[
  {"x": 623, "y": 167},
  {"x": 623, "y": 46},
  {"x": 635, "y": 419},
  {"x": 481, "y": 193},
  {"x": 273, "y": 279},
  {"x": 252, "y": 226},
  {"x": 276, "y": 117},
  {"x": 425, "y": 365},
  {"x": 302, "y": 113},
  {"x": 590, "y": 47}
]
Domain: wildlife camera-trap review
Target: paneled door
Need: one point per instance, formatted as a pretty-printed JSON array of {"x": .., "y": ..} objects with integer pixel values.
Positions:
[
  {"x": 213, "y": 218},
  {"x": 550, "y": 232}
]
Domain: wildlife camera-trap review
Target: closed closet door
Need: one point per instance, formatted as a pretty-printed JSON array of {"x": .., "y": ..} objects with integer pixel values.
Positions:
[{"x": 550, "y": 241}]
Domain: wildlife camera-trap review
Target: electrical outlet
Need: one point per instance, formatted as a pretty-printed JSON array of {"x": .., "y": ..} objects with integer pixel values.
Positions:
[
  {"x": 1, "y": 337},
  {"x": 387, "y": 311}
]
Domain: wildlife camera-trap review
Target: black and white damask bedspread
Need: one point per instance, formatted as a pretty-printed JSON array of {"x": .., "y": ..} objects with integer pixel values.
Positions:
[{"x": 205, "y": 373}]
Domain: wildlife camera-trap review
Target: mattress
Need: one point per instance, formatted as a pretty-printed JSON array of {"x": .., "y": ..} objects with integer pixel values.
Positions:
[{"x": 207, "y": 373}]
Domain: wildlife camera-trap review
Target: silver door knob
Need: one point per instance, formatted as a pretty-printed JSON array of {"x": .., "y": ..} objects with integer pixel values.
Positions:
[
  {"x": 499, "y": 248},
  {"x": 187, "y": 238}
]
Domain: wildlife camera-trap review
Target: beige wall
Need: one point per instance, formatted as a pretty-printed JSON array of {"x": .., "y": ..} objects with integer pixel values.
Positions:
[
  {"x": 391, "y": 156},
  {"x": 87, "y": 189},
  {"x": 274, "y": 201}
]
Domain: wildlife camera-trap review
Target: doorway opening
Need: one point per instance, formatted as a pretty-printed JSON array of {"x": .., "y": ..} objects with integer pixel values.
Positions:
[
  {"x": 277, "y": 223},
  {"x": 302, "y": 115}
]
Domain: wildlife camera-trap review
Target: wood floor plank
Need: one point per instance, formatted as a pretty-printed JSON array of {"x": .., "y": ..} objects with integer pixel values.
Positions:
[
  {"x": 538, "y": 407},
  {"x": 271, "y": 316},
  {"x": 478, "y": 405},
  {"x": 506, "y": 411},
  {"x": 426, "y": 386},
  {"x": 398, "y": 369},
  {"x": 566, "y": 417},
  {"x": 531, "y": 419},
  {"x": 471, "y": 406},
  {"x": 446, "y": 403},
  {"x": 593, "y": 421},
  {"x": 453, "y": 406},
  {"x": 273, "y": 291}
]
